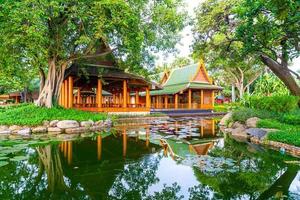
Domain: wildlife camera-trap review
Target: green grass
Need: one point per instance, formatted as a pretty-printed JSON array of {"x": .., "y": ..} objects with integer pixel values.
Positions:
[
  {"x": 287, "y": 124},
  {"x": 31, "y": 115},
  {"x": 286, "y": 136}
]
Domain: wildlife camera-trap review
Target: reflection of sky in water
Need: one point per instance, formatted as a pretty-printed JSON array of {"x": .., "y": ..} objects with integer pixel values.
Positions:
[
  {"x": 295, "y": 185},
  {"x": 169, "y": 172}
]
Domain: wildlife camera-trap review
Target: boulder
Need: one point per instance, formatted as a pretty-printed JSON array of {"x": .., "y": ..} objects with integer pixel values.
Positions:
[
  {"x": 53, "y": 123},
  {"x": 67, "y": 124},
  {"x": 96, "y": 128},
  {"x": 39, "y": 129},
  {"x": 5, "y": 132},
  {"x": 76, "y": 130},
  {"x": 99, "y": 123},
  {"x": 225, "y": 119},
  {"x": 240, "y": 134},
  {"x": 4, "y": 128},
  {"x": 24, "y": 132},
  {"x": 236, "y": 125},
  {"x": 256, "y": 132},
  {"x": 15, "y": 128},
  {"x": 67, "y": 136},
  {"x": 87, "y": 123},
  {"x": 54, "y": 130},
  {"x": 252, "y": 122},
  {"x": 108, "y": 122},
  {"x": 46, "y": 123}
]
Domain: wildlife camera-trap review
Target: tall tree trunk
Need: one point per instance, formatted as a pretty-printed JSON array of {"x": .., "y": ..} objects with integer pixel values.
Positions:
[
  {"x": 51, "y": 89},
  {"x": 232, "y": 93},
  {"x": 42, "y": 79},
  {"x": 283, "y": 73}
]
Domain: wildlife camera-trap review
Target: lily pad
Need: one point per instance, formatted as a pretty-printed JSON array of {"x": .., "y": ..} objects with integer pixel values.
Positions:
[
  {"x": 3, "y": 163},
  {"x": 4, "y": 158},
  {"x": 18, "y": 158}
]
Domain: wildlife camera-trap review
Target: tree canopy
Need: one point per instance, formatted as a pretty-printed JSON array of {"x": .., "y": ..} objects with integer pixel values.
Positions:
[
  {"x": 231, "y": 33},
  {"x": 51, "y": 35}
]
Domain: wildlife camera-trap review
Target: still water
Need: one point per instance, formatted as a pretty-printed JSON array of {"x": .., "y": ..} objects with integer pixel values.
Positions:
[{"x": 183, "y": 158}]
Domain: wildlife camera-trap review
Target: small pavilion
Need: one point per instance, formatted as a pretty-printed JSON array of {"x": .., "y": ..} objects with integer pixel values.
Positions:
[
  {"x": 187, "y": 87},
  {"x": 97, "y": 84}
]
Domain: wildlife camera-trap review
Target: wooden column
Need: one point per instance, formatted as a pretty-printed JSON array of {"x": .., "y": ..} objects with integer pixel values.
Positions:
[
  {"x": 99, "y": 93},
  {"x": 79, "y": 100},
  {"x": 201, "y": 99},
  {"x": 176, "y": 101},
  {"x": 190, "y": 98},
  {"x": 99, "y": 147},
  {"x": 157, "y": 102},
  {"x": 70, "y": 92},
  {"x": 148, "y": 99},
  {"x": 124, "y": 94},
  {"x": 137, "y": 98},
  {"x": 124, "y": 142},
  {"x": 212, "y": 99},
  {"x": 69, "y": 152},
  {"x": 66, "y": 94},
  {"x": 62, "y": 94},
  {"x": 166, "y": 101}
]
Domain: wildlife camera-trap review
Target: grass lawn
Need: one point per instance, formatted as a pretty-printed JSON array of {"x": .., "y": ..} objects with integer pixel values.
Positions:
[
  {"x": 288, "y": 124},
  {"x": 287, "y": 133},
  {"x": 31, "y": 115}
]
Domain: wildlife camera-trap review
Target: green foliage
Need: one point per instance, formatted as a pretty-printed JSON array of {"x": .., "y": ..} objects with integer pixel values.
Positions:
[
  {"x": 268, "y": 84},
  {"x": 214, "y": 33},
  {"x": 32, "y": 32},
  {"x": 274, "y": 124},
  {"x": 242, "y": 114},
  {"x": 32, "y": 115},
  {"x": 292, "y": 117},
  {"x": 273, "y": 103},
  {"x": 286, "y": 136}
]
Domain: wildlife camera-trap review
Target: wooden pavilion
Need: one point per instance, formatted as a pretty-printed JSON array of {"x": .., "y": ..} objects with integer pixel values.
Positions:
[
  {"x": 188, "y": 87},
  {"x": 103, "y": 87}
]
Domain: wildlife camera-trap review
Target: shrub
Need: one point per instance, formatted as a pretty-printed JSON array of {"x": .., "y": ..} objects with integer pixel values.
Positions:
[
  {"x": 32, "y": 115},
  {"x": 242, "y": 114},
  {"x": 289, "y": 137},
  {"x": 272, "y": 123},
  {"x": 273, "y": 103},
  {"x": 292, "y": 117}
]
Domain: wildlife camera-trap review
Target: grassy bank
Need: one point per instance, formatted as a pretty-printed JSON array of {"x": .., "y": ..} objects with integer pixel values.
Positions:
[
  {"x": 280, "y": 113},
  {"x": 31, "y": 115}
]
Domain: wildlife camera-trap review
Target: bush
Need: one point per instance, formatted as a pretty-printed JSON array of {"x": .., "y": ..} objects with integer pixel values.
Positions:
[
  {"x": 272, "y": 123},
  {"x": 288, "y": 137},
  {"x": 242, "y": 114},
  {"x": 292, "y": 117},
  {"x": 273, "y": 103},
  {"x": 31, "y": 115}
]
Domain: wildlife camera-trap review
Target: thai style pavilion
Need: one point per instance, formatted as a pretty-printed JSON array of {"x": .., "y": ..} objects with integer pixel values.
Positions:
[
  {"x": 187, "y": 87},
  {"x": 99, "y": 85}
]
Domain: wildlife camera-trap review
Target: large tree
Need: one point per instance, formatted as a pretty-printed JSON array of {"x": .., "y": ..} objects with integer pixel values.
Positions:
[
  {"x": 60, "y": 32},
  {"x": 214, "y": 39},
  {"x": 268, "y": 31},
  {"x": 271, "y": 30}
]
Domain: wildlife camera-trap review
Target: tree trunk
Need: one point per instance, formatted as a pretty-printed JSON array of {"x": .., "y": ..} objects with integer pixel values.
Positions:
[
  {"x": 51, "y": 90},
  {"x": 283, "y": 74},
  {"x": 42, "y": 79},
  {"x": 232, "y": 93}
]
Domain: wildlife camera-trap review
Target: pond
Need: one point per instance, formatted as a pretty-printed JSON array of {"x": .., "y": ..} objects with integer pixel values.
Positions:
[{"x": 183, "y": 158}]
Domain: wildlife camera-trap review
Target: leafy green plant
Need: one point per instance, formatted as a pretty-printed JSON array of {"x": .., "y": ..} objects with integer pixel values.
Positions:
[
  {"x": 292, "y": 117},
  {"x": 289, "y": 137},
  {"x": 32, "y": 115},
  {"x": 242, "y": 114},
  {"x": 273, "y": 103}
]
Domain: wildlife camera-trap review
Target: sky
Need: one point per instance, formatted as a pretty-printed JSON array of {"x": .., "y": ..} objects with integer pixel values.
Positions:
[{"x": 184, "y": 46}]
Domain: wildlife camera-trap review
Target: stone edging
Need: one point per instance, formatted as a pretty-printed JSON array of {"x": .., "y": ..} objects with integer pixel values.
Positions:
[
  {"x": 53, "y": 127},
  {"x": 240, "y": 133}
]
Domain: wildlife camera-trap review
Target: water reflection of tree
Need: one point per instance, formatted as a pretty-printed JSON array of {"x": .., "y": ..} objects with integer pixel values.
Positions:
[
  {"x": 136, "y": 178},
  {"x": 256, "y": 172}
]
